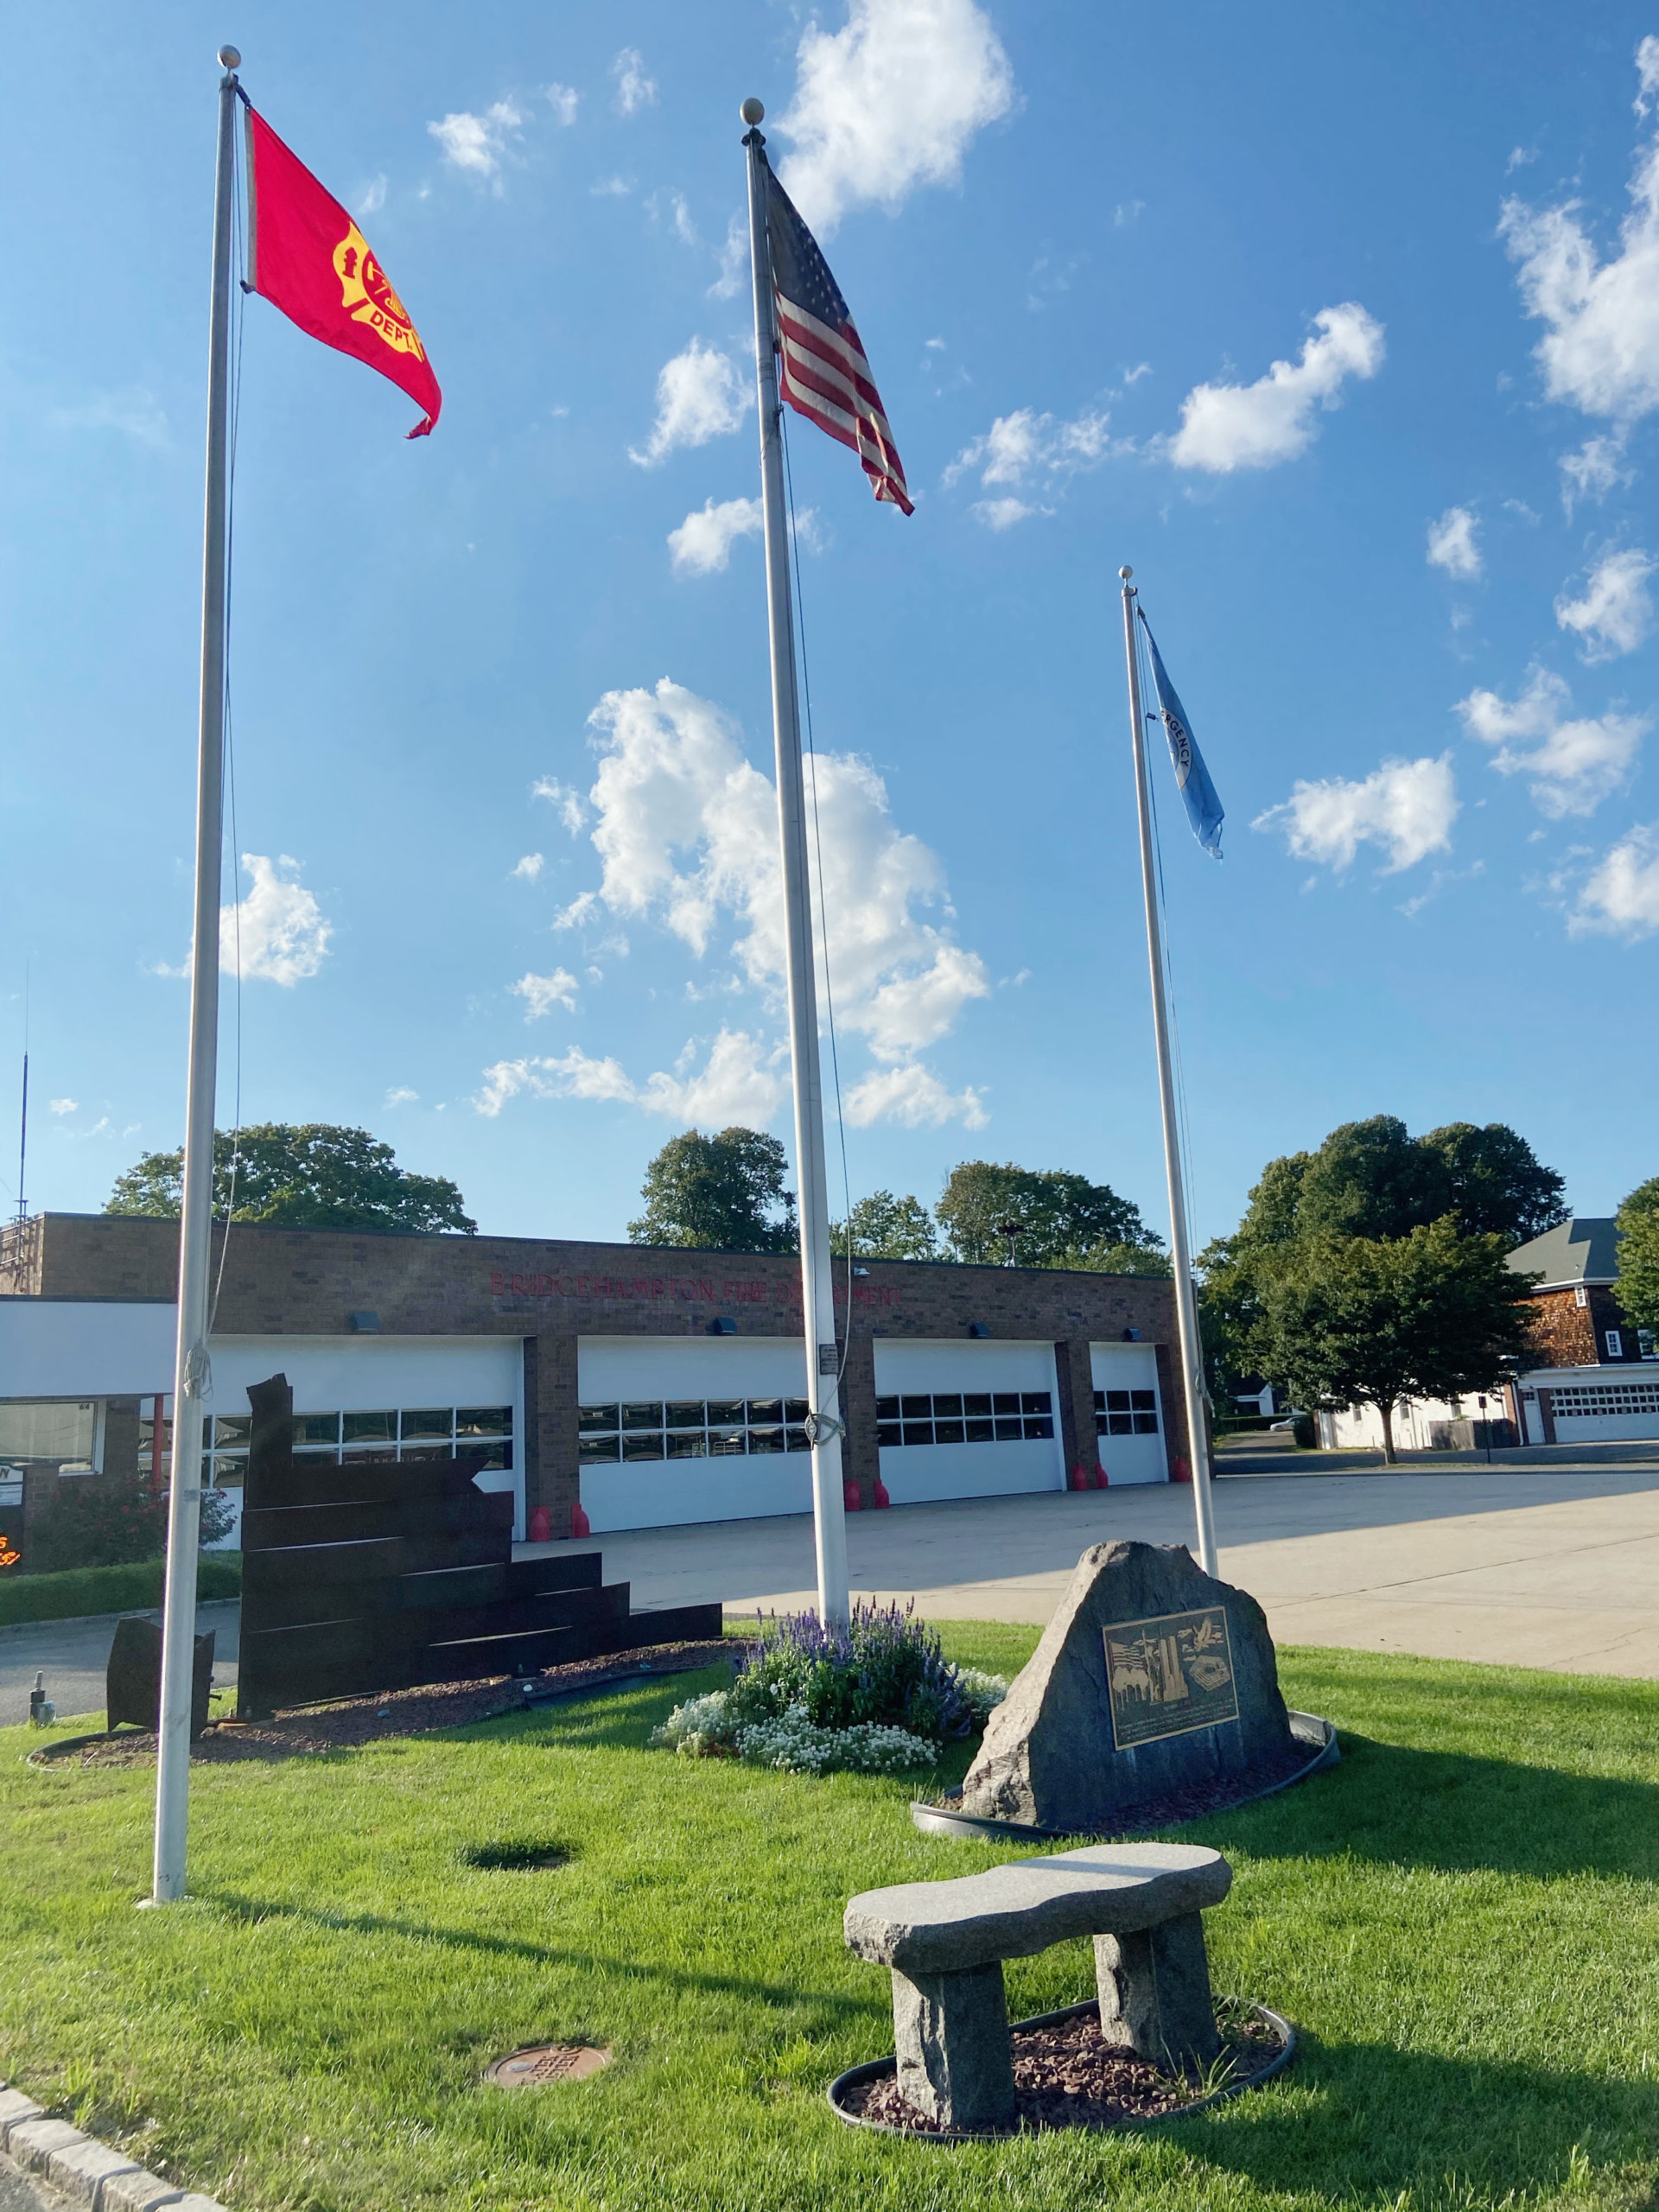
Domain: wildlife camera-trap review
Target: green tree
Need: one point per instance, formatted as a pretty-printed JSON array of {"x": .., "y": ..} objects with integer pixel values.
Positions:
[
  {"x": 886, "y": 1228},
  {"x": 1638, "y": 1255},
  {"x": 313, "y": 1176},
  {"x": 721, "y": 1193},
  {"x": 1374, "y": 1179},
  {"x": 1371, "y": 1321},
  {"x": 1497, "y": 1184},
  {"x": 1371, "y": 1178},
  {"x": 1060, "y": 1216}
]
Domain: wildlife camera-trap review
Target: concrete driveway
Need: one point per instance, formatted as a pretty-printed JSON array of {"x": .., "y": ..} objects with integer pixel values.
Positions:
[
  {"x": 1530, "y": 1563},
  {"x": 1534, "y": 1566}
]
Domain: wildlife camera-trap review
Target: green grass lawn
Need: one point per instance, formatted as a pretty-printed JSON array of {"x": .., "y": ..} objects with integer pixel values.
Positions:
[{"x": 1461, "y": 1920}]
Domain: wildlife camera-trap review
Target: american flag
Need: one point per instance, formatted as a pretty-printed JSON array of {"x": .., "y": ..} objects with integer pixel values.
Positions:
[{"x": 822, "y": 370}]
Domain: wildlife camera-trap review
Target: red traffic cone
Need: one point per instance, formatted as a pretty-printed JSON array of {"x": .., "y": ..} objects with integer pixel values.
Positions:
[
  {"x": 1180, "y": 1473},
  {"x": 1078, "y": 1478},
  {"x": 541, "y": 1526},
  {"x": 1102, "y": 1481},
  {"x": 880, "y": 1493},
  {"x": 851, "y": 1497},
  {"x": 580, "y": 1524}
]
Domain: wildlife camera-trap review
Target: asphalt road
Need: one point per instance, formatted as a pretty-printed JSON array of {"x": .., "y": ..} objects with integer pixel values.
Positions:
[{"x": 73, "y": 1655}]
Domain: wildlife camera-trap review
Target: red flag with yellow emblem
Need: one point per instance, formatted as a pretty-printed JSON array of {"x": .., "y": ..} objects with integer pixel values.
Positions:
[{"x": 306, "y": 256}]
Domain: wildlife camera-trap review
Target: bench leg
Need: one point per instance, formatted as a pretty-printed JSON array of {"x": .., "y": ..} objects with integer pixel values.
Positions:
[
  {"x": 951, "y": 2031},
  {"x": 1154, "y": 1993}
]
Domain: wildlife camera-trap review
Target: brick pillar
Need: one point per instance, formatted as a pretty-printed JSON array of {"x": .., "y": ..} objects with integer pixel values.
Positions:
[
  {"x": 861, "y": 1460},
  {"x": 550, "y": 1428},
  {"x": 121, "y": 1439},
  {"x": 1074, "y": 1371}
]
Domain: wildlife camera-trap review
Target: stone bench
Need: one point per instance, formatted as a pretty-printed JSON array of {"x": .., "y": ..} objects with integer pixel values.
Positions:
[{"x": 945, "y": 1942}]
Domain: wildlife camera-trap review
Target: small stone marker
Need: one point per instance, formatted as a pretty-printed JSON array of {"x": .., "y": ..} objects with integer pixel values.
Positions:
[
  {"x": 1151, "y": 1678},
  {"x": 133, "y": 1683}
]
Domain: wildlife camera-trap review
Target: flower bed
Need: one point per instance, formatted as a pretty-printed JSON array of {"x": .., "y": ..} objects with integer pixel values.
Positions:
[{"x": 875, "y": 1696}]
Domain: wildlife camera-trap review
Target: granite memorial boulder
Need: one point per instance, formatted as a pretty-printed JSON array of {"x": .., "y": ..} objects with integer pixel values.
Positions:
[{"x": 1151, "y": 1679}]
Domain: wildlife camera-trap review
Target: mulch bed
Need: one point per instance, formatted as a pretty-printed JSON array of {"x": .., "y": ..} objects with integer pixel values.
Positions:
[
  {"x": 1198, "y": 1798},
  {"x": 343, "y": 1725},
  {"x": 1064, "y": 2075}
]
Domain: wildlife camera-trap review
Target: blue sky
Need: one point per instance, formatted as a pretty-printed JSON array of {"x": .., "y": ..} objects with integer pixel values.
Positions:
[{"x": 1342, "y": 326}]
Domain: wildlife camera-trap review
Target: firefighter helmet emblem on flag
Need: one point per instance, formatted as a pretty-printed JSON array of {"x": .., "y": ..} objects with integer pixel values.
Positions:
[{"x": 367, "y": 296}]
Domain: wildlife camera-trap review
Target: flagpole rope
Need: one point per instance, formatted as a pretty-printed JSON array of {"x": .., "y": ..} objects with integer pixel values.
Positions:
[
  {"x": 824, "y": 898},
  {"x": 238, "y": 314},
  {"x": 1149, "y": 690}
]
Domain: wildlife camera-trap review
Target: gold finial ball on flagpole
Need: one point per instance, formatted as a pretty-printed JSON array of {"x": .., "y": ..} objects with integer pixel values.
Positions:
[
  {"x": 1126, "y": 573},
  {"x": 753, "y": 111},
  {"x": 230, "y": 57}
]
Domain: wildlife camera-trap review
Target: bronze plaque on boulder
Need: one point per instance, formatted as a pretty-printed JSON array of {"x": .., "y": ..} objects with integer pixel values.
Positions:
[
  {"x": 1169, "y": 1675},
  {"x": 1152, "y": 1681}
]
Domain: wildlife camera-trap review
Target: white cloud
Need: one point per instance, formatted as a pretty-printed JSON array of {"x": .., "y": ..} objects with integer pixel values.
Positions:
[
  {"x": 1600, "y": 348},
  {"x": 531, "y": 866},
  {"x": 1451, "y": 544},
  {"x": 888, "y": 102},
  {"x": 64, "y": 1105},
  {"x": 1573, "y": 765},
  {"x": 1594, "y": 470},
  {"x": 913, "y": 1095},
  {"x": 1025, "y": 444},
  {"x": 1003, "y": 514},
  {"x": 733, "y": 260},
  {"x": 1406, "y": 807},
  {"x": 563, "y": 100},
  {"x": 1647, "y": 73},
  {"x": 541, "y": 994},
  {"x": 700, "y": 395},
  {"x": 687, "y": 836},
  {"x": 372, "y": 198},
  {"x": 1519, "y": 158},
  {"x": 278, "y": 932},
  {"x": 1615, "y": 612},
  {"x": 741, "y": 1082},
  {"x": 703, "y": 542},
  {"x": 136, "y": 414},
  {"x": 569, "y": 805},
  {"x": 1621, "y": 898},
  {"x": 402, "y": 1096},
  {"x": 611, "y": 187},
  {"x": 1229, "y": 426},
  {"x": 635, "y": 90},
  {"x": 477, "y": 142}
]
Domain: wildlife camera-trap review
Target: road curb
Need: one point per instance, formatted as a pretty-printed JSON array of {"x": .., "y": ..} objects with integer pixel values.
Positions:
[{"x": 87, "y": 2171}]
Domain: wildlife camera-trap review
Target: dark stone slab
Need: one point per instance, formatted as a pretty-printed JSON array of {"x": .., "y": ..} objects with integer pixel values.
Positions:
[
  {"x": 133, "y": 1682},
  {"x": 1155, "y": 1998},
  {"x": 1150, "y": 1678}
]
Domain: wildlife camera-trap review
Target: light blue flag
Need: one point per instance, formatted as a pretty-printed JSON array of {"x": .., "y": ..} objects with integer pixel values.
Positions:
[{"x": 1203, "y": 809}]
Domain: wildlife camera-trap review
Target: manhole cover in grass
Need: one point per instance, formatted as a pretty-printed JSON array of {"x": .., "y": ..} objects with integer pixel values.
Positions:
[
  {"x": 517, "y": 1854},
  {"x": 542, "y": 2063}
]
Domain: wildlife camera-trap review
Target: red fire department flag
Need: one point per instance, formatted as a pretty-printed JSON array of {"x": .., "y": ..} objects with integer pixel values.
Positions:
[{"x": 306, "y": 256}]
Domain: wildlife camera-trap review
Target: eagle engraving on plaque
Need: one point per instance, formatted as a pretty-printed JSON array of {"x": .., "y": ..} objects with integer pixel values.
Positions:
[{"x": 1169, "y": 1676}]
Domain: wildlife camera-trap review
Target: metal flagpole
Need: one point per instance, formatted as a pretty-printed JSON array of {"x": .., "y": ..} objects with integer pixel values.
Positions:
[
  {"x": 824, "y": 1427},
  {"x": 1186, "y": 1314},
  {"x": 192, "y": 1379}
]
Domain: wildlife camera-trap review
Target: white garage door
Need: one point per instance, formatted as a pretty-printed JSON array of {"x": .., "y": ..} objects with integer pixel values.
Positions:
[
  {"x": 677, "y": 1429},
  {"x": 411, "y": 1397},
  {"x": 1128, "y": 1416},
  {"x": 1591, "y": 1412},
  {"x": 967, "y": 1420}
]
